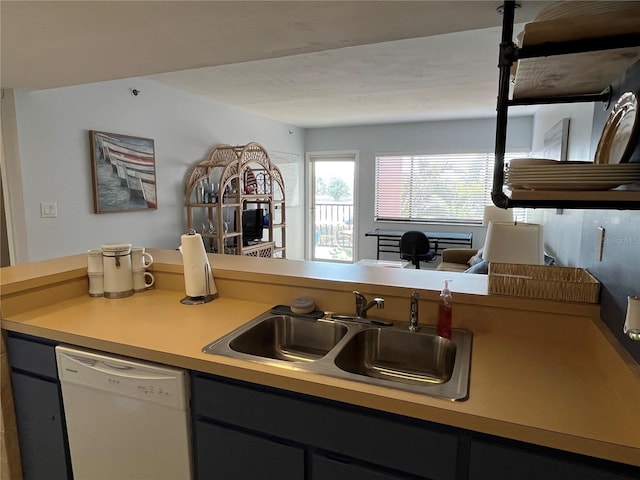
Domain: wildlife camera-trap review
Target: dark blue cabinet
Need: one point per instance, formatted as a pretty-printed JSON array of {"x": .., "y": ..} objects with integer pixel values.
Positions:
[
  {"x": 376, "y": 441},
  {"x": 39, "y": 412},
  {"x": 498, "y": 459},
  {"x": 227, "y": 454},
  {"x": 326, "y": 468},
  {"x": 346, "y": 442}
]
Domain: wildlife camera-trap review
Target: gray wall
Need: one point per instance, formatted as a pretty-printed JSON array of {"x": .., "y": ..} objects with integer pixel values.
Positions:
[
  {"x": 53, "y": 144},
  {"x": 619, "y": 270},
  {"x": 572, "y": 235},
  {"x": 426, "y": 137}
]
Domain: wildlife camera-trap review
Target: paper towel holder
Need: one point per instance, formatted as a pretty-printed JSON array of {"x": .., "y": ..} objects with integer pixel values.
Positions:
[{"x": 202, "y": 298}]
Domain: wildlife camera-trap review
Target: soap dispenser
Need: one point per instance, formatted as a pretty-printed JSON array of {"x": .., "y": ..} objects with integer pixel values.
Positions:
[{"x": 444, "y": 312}]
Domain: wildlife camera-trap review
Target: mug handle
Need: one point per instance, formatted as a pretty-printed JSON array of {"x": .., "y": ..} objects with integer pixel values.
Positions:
[{"x": 147, "y": 259}]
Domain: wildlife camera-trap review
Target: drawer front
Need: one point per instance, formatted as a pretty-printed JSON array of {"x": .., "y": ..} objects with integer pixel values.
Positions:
[
  {"x": 32, "y": 357},
  {"x": 331, "y": 469},
  {"x": 502, "y": 461},
  {"x": 414, "y": 447},
  {"x": 226, "y": 454}
]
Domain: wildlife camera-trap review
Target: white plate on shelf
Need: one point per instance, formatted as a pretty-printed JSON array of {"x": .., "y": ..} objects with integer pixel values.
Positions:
[
  {"x": 576, "y": 174},
  {"x": 605, "y": 181},
  {"x": 617, "y": 141},
  {"x": 564, "y": 186},
  {"x": 538, "y": 162},
  {"x": 570, "y": 175},
  {"x": 586, "y": 167}
]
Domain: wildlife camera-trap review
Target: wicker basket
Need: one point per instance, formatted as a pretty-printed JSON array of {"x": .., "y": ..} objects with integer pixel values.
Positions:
[{"x": 547, "y": 282}]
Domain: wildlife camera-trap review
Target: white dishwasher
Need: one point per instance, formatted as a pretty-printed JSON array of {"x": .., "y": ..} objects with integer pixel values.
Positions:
[{"x": 125, "y": 420}]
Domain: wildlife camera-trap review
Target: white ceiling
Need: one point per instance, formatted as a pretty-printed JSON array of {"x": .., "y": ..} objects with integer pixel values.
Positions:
[{"x": 305, "y": 63}]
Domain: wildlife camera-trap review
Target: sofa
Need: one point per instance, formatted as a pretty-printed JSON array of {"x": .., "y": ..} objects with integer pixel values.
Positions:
[
  {"x": 457, "y": 259},
  {"x": 469, "y": 260}
]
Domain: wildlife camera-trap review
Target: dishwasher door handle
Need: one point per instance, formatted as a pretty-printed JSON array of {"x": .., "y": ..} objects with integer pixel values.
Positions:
[{"x": 117, "y": 366}]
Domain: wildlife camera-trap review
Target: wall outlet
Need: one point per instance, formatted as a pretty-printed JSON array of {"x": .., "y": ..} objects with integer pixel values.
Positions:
[{"x": 48, "y": 209}]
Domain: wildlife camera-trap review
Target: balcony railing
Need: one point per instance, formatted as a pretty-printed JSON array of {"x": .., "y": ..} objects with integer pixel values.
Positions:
[{"x": 334, "y": 231}]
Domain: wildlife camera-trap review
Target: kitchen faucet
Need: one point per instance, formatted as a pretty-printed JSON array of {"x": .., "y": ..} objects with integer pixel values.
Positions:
[
  {"x": 362, "y": 306},
  {"x": 413, "y": 315}
]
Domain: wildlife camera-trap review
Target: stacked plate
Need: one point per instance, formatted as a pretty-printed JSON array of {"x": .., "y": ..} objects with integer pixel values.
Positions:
[{"x": 538, "y": 174}]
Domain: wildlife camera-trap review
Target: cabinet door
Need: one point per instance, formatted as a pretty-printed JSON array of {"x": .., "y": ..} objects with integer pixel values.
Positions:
[
  {"x": 368, "y": 436},
  {"x": 226, "y": 454},
  {"x": 502, "y": 461},
  {"x": 32, "y": 356},
  {"x": 325, "y": 468},
  {"x": 40, "y": 428}
]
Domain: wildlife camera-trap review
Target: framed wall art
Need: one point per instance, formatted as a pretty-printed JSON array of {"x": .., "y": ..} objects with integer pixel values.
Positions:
[
  {"x": 556, "y": 144},
  {"x": 556, "y": 141},
  {"x": 124, "y": 172}
]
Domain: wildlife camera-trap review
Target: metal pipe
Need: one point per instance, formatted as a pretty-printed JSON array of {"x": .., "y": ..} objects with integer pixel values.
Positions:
[{"x": 505, "y": 60}]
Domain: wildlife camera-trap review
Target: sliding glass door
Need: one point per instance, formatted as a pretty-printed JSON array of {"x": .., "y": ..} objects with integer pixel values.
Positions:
[{"x": 331, "y": 222}]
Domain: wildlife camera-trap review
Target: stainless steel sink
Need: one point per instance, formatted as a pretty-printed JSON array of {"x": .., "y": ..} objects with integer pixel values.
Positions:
[
  {"x": 352, "y": 349},
  {"x": 399, "y": 355},
  {"x": 291, "y": 339}
]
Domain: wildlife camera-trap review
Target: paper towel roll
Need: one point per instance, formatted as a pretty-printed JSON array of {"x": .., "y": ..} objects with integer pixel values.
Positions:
[
  {"x": 198, "y": 277},
  {"x": 632, "y": 321}
]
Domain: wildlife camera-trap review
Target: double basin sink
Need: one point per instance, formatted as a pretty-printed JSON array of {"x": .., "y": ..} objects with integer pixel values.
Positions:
[{"x": 356, "y": 349}]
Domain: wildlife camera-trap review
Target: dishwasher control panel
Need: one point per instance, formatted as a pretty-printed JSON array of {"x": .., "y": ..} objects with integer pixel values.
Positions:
[{"x": 146, "y": 381}]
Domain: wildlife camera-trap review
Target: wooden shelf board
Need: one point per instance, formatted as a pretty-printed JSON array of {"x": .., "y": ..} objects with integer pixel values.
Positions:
[
  {"x": 576, "y": 74},
  {"x": 580, "y": 73},
  {"x": 262, "y": 198},
  {"x": 578, "y": 27}
]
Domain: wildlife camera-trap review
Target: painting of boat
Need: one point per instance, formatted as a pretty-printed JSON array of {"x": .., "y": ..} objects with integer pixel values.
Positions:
[{"x": 124, "y": 172}]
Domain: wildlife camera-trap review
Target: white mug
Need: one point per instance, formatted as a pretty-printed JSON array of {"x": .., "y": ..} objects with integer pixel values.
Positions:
[
  {"x": 96, "y": 284},
  {"x": 140, "y": 259},
  {"x": 142, "y": 280},
  {"x": 94, "y": 261}
]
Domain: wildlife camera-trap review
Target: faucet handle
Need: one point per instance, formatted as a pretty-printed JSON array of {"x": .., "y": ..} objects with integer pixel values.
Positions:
[
  {"x": 413, "y": 314},
  {"x": 361, "y": 301}
]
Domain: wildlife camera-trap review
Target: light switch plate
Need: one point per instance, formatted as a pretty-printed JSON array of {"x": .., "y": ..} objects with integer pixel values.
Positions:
[{"x": 48, "y": 209}]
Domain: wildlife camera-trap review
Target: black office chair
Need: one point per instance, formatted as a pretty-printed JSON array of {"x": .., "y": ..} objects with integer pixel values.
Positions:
[{"x": 415, "y": 246}]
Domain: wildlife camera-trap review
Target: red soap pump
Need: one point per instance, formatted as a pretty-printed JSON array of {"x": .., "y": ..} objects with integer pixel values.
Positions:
[{"x": 444, "y": 312}]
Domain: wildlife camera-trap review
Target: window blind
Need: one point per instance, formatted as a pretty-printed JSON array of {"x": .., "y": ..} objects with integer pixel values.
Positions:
[{"x": 438, "y": 188}]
